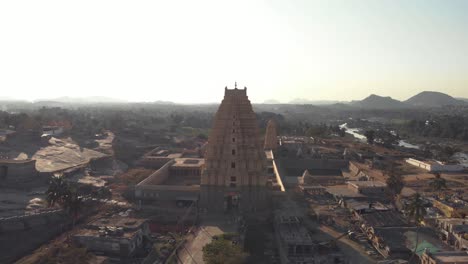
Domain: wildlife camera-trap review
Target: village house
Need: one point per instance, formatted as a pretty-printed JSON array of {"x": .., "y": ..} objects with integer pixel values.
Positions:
[
  {"x": 113, "y": 236},
  {"x": 435, "y": 166},
  {"x": 454, "y": 231},
  {"x": 369, "y": 188},
  {"x": 295, "y": 245},
  {"x": 14, "y": 172},
  {"x": 451, "y": 208},
  {"x": 444, "y": 257}
]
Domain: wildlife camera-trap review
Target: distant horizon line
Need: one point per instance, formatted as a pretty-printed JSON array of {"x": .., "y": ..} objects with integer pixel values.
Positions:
[{"x": 111, "y": 100}]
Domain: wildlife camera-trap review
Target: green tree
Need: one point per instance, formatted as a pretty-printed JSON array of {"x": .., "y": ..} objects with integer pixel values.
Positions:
[
  {"x": 223, "y": 251},
  {"x": 416, "y": 212},
  {"x": 438, "y": 183},
  {"x": 395, "y": 183},
  {"x": 370, "y": 136},
  {"x": 58, "y": 191},
  {"x": 73, "y": 205}
]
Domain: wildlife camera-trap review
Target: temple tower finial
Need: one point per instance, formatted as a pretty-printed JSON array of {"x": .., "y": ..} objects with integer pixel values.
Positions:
[{"x": 235, "y": 85}]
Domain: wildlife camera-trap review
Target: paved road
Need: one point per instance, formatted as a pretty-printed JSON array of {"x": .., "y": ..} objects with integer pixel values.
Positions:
[{"x": 351, "y": 249}]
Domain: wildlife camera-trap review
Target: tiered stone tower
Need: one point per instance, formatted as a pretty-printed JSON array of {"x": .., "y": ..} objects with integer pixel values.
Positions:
[
  {"x": 234, "y": 177},
  {"x": 271, "y": 136}
]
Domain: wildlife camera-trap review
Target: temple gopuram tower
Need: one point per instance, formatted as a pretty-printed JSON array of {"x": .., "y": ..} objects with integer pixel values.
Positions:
[
  {"x": 271, "y": 136},
  {"x": 234, "y": 177}
]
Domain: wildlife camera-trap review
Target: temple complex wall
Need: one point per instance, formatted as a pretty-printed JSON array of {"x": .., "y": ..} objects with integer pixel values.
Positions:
[
  {"x": 271, "y": 136},
  {"x": 17, "y": 171},
  {"x": 249, "y": 199}
]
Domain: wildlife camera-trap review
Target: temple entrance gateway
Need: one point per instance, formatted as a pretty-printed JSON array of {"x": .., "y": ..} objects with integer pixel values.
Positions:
[
  {"x": 235, "y": 162},
  {"x": 231, "y": 201},
  {"x": 3, "y": 172}
]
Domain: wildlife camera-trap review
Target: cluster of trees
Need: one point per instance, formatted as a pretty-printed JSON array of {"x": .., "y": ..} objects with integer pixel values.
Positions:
[
  {"x": 61, "y": 193},
  {"x": 383, "y": 137},
  {"x": 311, "y": 130},
  {"x": 445, "y": 126},
  {"x": 224, "y": 250}
]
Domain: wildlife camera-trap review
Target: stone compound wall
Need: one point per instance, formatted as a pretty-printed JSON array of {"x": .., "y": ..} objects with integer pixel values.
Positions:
[
  {"x": 17, "y": 171},
  {"x": 152, "y": 188},
  {"x": 22, "y": 234},
  {"x": 24, "y": 222},
  {"x": 159, "y": 176}
]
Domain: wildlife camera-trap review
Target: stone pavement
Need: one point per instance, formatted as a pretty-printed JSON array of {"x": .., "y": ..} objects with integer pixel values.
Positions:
[{"x": 191, "y": 252}]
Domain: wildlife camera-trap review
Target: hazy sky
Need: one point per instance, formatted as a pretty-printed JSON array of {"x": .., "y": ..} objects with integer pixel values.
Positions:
[{"x": 188, "y": 51}]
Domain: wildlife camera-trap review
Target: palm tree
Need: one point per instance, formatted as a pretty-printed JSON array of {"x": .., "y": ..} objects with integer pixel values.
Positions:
[
  {"x": 58, "y": 190},
  {"x": 73, "y": 204},
  {"x": 395, "y": 183},
  {"x": 438, "y": 183},
  {"x": 416, "y": 212},
  {"x": 370, "y": 136}
]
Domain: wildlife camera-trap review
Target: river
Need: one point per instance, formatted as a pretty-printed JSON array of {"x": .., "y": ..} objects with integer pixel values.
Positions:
[{"x": 357, "y": 133}]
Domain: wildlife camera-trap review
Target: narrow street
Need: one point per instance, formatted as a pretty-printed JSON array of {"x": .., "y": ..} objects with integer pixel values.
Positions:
[{"x": 351, "y": 249}]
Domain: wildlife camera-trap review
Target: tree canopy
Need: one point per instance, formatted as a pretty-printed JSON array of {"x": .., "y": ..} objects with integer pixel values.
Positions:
[{"x": 223, "y": 251}]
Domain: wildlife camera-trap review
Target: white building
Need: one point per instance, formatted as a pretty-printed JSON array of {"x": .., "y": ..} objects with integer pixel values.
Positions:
[{"x": 435, "y": 166}]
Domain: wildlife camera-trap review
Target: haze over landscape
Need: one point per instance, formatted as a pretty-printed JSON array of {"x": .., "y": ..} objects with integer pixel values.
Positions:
[
  {"x": 128, "y": 135},
  {"x": 187, "y": 52}
]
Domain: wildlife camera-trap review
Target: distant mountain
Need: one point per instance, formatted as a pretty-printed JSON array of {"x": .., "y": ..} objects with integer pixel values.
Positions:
[
  {"x": 83, "y": 100},
  {"x": 433, "y": 99},
  {"x": 271, "y": 101},
  {"x": 163, "y": 102},
  {"x": 312, "y": 102},
  {"x": 379, "y": 102},
  {"x": 462, "y": 99},
  {"x": 10, "y": 99}
]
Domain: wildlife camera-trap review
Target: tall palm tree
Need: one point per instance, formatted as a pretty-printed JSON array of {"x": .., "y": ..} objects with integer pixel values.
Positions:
[
  {"x": 395, "y": 183},
  {"x": 73, "y": 204},
  {"x": 58, "y": 190},
  {"x": 416, "y": 212},
  {"x": 438, "y": 183}
]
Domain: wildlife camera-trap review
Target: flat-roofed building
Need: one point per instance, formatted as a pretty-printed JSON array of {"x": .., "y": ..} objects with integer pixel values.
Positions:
[
  {"x": 435, "y": 166},
  {"x": 445, "y": 257},
  {"x": 115, "y": 236},
  {"x": 368, "y": 187}
]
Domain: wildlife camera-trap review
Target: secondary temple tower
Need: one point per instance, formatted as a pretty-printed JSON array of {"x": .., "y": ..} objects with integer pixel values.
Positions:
[
  {"x": 234, "y": 177},
  {"x": 271, "y": 136}
]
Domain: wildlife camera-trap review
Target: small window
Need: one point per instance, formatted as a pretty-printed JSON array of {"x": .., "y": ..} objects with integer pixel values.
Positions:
[
  {"x": 233, "y": 139},
  {"x": 233, "y": 165},
  {"x": 233, "y": 178},
  {"x": 234, "y": 123},
  {"x": 233, "y": 131},
  {"x": 233, "y": 152}
]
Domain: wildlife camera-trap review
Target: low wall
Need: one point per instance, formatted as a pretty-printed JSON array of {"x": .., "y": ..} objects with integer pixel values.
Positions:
[
  {"x": 24, "y": 222},
  {"x": 17, "y": 171},
  {"x": 166, "y": 192},
  {"x": 158, "y": 176}
]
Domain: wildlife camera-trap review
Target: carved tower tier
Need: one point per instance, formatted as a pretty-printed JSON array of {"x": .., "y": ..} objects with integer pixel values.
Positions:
[
  {"x": 235, "y": 175},
  {"x": 271, "y": 136}
]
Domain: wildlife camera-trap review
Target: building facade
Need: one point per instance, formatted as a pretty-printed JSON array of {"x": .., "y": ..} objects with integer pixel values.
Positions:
[{"x": 271, "y": 136}]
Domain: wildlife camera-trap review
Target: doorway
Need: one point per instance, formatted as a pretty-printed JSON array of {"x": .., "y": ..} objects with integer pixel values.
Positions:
[{"x": 3, "y": 172}]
